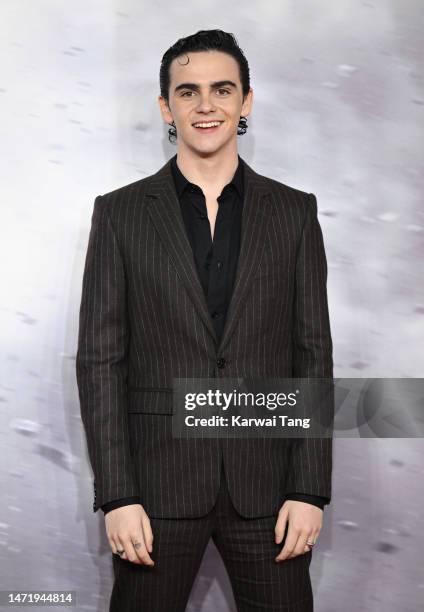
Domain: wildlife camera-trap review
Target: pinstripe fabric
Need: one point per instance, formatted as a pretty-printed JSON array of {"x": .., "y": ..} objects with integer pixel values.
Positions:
[
  {"x": 247, "y": 548},
  {"x": 144, "y": 320}
]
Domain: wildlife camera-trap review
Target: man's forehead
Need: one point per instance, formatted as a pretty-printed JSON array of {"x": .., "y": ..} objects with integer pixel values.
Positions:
[{"x": 196, "y": 63}]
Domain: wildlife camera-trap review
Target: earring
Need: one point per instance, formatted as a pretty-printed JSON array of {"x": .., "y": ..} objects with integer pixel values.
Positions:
[
  {"x": 172, "y": 132},
  {"x": 242, "y": 126}
]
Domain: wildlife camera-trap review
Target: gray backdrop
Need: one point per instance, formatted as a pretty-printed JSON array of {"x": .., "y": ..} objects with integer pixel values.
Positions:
[{"x": 338, "y": 106}]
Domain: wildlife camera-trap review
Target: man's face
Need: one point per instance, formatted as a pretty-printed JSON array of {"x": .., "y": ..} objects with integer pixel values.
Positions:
[{"x": 206, "y": 88}]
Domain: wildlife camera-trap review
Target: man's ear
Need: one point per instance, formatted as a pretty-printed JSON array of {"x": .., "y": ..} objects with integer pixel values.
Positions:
[
  {"x": 164, "y": 109},
  {"x": 247, "y": 103}
]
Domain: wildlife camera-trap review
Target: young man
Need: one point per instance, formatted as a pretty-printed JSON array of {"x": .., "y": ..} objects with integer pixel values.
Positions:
[{"x": 203, "y": 269}]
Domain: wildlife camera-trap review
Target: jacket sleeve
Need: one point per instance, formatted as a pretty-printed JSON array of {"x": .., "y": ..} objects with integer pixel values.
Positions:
[
  {"x": 315, "y": 500},
  {"x": 101, "y": 362},
  {"x": 120, "y": 503},
  {"x": 311, "y": 458}
]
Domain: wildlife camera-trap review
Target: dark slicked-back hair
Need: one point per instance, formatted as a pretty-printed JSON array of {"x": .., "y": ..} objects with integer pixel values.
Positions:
[{"x": 205, "y": 40}]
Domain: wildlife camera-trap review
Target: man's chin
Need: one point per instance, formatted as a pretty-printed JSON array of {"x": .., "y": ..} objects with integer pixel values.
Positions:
[{"x": 205, "y": 149}]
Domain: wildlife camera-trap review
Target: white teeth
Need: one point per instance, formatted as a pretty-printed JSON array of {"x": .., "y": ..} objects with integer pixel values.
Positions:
[{"x": 206, "y": 125}]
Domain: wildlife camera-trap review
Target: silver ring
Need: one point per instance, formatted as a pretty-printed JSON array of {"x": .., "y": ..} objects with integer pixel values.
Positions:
[{"x": 120, "y": 552}]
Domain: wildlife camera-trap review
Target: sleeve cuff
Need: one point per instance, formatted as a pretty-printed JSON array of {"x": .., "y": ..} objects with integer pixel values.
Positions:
[
  {"x": 315, "y": 500},
  {"x": 118, "y": 503}
]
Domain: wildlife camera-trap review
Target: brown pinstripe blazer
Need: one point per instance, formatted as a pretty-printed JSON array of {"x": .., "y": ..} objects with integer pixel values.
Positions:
[{"x": 144, "y": 320}]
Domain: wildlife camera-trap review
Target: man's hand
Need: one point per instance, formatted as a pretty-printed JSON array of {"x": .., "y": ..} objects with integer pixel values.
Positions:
[
  {"x": 305, "y": 523},
  {"x": 128, "y": 528}
]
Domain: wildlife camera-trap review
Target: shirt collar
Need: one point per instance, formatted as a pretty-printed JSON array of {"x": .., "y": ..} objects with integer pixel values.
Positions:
[{"x": 181, "y": 182}]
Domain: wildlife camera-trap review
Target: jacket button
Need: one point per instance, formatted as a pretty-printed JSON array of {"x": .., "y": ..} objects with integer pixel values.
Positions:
[{"x": 221, "y": 362}]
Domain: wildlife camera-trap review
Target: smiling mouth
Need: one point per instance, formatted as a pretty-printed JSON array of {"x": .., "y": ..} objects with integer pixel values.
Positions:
[{"x": 207, "y": 126}]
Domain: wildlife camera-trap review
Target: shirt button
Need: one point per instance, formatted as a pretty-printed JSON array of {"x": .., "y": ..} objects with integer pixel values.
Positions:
[
  {"x": 219, "y": 264},
  {"x": 220, "y": 362},
  {"x": 216, "y": 314}
]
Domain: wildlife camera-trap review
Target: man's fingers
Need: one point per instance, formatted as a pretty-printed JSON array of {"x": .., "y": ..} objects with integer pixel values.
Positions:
[
  {"x": 304, "y": 524},
  {"x": 296, "y": 544},
  {"x": 134, "y": 551},
  {"x": 313, "y": 537},
  {"x": 301, "y": 546},
  {"x": 113, "y": 546},
  {"x": 129, "y": 532},
  {"x": 147, "y": 532},
  {"x": 130, "y": 552},
  {"x": 290, "y": 544},
  {"x": 280, "y": 528},
  {"x": 141, "y": 552},
  {"x": 116, "y": 545}
]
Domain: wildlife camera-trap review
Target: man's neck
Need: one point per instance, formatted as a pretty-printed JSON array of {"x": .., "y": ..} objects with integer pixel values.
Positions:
[{"x": 211, "y": 173}]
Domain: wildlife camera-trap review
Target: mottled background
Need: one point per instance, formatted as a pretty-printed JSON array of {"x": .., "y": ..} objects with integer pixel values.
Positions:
[{"x": 338, "y": 107}]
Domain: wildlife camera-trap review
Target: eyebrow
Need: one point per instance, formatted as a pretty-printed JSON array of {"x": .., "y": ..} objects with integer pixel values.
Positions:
[{"x": 195, "y": 86}]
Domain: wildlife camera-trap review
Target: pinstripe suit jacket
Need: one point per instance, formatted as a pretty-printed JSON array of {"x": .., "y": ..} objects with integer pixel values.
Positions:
[{"x": 144, "y": 320}]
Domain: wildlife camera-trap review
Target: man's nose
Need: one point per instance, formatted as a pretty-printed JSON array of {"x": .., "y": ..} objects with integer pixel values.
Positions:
[{"x": 205, "y": 103}]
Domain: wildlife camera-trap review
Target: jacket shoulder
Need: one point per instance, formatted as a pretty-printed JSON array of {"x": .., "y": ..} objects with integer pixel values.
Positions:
[
  {"x": 289, "y": 199},
  {"x": 120, "y": 203},
  {"x": 127, "y": 192},
  {"x": 287, "y": 191}
]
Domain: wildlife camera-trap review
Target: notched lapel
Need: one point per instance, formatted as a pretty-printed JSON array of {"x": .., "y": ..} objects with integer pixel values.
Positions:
[
  {"x": 254, "y": 228},
  {"x": 164, "y": 209}
]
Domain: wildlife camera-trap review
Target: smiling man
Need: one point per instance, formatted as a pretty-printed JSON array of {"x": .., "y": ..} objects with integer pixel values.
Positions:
[{"x": 203, "y": 269}]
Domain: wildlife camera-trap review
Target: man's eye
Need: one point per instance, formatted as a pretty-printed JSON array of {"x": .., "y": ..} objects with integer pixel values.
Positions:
[{"x": 188, "y": 93}]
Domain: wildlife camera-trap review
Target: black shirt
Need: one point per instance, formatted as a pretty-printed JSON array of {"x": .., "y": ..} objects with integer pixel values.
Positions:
[{"x": 216, "y": 263}]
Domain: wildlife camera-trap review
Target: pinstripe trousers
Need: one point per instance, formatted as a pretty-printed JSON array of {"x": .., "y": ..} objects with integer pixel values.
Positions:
[{"x": 247, "y": 547}]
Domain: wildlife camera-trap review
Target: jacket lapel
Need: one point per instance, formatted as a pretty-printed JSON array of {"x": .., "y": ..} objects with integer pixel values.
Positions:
[
  {"x": 255, "y": 217},
  {"x": 164, "y": 209}
]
